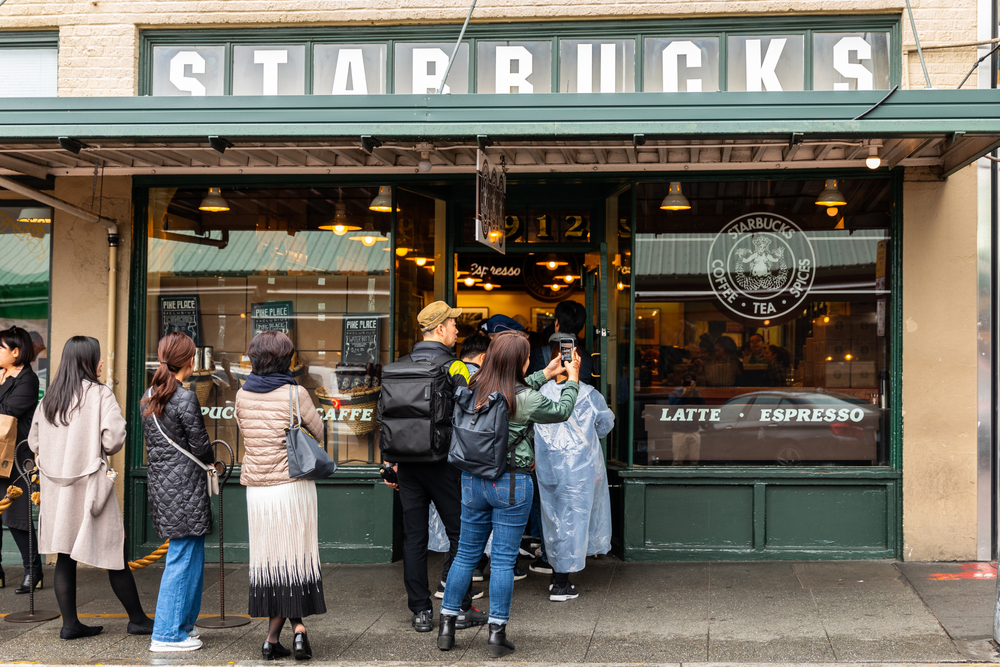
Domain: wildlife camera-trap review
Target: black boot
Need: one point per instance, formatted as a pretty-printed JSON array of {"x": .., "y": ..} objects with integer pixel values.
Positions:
[
  {"x": 446, "y": 632},
  {"x": 498, "y": 644},
  {"x": 271, "y": 651},
  {"x": 25, "y": 586},
  {"x": 301, "y": 648}
]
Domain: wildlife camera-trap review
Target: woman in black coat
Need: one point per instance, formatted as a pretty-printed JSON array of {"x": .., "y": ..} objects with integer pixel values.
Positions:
[
  {"x": 18, "y": 399},
  {"x": 178, "y": 492}
]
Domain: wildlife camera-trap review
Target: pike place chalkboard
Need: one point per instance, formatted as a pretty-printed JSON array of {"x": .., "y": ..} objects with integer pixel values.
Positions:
[
  {"x": 181, "y": 313},
  {"x": 272, "y": 316}
]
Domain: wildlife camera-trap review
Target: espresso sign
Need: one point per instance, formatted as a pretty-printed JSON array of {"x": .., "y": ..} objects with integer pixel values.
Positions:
[
  {"x": 361, "y": 340},
  {"x": 181, "y": 313},
  {"x": 272, "y": 316},
  {"x": 491, "y": 192}
]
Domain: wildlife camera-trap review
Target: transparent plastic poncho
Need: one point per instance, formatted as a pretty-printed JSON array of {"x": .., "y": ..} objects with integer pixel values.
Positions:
[{"x": 573, "y": 481}]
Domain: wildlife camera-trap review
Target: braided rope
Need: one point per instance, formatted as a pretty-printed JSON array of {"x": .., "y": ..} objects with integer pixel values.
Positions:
[
  {"x": 12, "y": 492},
  {"x": 151, "y": 558}
]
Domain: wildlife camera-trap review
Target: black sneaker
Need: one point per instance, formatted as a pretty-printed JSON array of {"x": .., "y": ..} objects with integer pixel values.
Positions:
[
  {"x": 475, "y": 594},
  {"x": 562, "y": 593},
  {"x": 470, "y": 618},
  {"x": 439, "y": 593},
  {"x": 525, "y": 552},
  {"x": 424, "y": 621},
  {"x": 519, "y": 574},
  {"x": 539, "y": 566},
  {"x": 477, "y": 575}
]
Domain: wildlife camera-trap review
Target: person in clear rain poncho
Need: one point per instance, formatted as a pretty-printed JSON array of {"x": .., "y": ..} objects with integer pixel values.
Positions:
[{"x": 573, "y": 485}]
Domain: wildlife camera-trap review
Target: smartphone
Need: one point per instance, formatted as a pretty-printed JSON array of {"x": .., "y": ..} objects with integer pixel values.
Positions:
[{"x": 566, "y": 346}]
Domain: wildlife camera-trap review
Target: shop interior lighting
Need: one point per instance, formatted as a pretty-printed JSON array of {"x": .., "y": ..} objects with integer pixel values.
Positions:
[
  {"x": 832, "y": 211},
  {"x": 831, "y": 195},
  {"x": 339, "y": 224},
  {"x": 552, "y": 262},
  {"x": 873, "y": 161},
  {"x": 675, "y": 199},
  {"x": 214, "y": 201},
  {"x": 369, "y": 236},
  {"x": 569, "y": 277},
  {"x": 555, "y": 287},
  {"x": 488, "y": 283},
  {"x": 35, "y": 215},
  {"x": 402, "y": 251},
  {"x": 383, "y": 201},
  {"x": 421, "y": 261},
  {"x": 470, "y": 281}
]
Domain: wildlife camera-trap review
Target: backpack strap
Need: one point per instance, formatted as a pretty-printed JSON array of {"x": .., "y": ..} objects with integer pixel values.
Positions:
[{"x": 513, "y": 469}]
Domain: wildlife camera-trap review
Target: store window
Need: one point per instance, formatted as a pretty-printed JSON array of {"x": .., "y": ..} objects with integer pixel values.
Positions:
[
  {"x": 29, "y": 63},
  {"x": 761, "y": 329},
  {"x": 25, "y": 233},
  {"x": 312, "y": 262}
]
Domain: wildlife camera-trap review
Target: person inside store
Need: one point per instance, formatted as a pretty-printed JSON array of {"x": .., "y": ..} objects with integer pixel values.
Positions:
[
  {"x": 686, "y": 438},
  {"x": 18, "y": 399},
  {"x": 754, "y": 354},
  {"x": 573, "y": 484},
  {"x": 285, "y": 577},
  {"x": 485, "y": 503},
  {"x": 754, "y": 362},
  {"x": 80, "y": 425},
  {"x": 570, "y": 318},
  {"x": 431, "y": 479},
  {"x": 179, "y": 503},
  {"x": 724, "y": 367},
  {"x": 474, "y": 350},
  {"x": 779, "y": 363}
]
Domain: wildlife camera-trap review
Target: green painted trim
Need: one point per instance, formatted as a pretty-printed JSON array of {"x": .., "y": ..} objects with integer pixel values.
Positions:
[
  {"x": 815, "y": 114},
  {"x": 739, "y": 475},
  {"x": 633, "y": 191},
  {"x": 33, "y": 39},
  {"x": 895, "y": 316}
]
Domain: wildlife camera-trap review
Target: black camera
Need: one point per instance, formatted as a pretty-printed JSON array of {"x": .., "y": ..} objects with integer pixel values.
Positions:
[{"x": 388, "y": 474}]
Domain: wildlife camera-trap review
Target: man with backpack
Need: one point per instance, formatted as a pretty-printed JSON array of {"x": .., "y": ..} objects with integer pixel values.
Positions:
[{"x": 414, "y": 416}]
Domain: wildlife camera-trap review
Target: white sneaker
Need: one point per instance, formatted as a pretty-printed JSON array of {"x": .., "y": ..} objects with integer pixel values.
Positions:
[{"x": 189, "y": 644}]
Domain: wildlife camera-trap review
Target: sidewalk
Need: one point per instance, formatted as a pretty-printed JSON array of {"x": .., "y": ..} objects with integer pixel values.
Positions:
[{"x": 772, "y": 612}]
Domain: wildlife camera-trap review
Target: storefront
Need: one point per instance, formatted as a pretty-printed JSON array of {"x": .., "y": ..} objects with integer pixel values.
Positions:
[{"x": 700, "y": 187}]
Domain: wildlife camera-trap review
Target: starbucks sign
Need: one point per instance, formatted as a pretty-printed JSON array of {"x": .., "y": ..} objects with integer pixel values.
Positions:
[{"x": 761, "y": 266}]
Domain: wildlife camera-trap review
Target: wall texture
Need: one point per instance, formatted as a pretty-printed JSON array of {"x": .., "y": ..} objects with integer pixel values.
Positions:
[{"x": 939, "y": 367}]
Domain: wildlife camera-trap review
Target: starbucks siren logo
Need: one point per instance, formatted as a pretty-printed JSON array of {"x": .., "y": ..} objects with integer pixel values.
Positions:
[{"x": 761, "y": 266}]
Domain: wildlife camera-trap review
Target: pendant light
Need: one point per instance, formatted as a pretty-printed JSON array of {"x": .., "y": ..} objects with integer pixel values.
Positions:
[
  {"x": 569, "y": 278},
  {"x": 214, "y": 202},
  {"x": 421, "y": 261},
  {"x": 383, "y": 201},
  {"x": 470, "y": 281},
  {"x": 488, "y": 283},
  {"x": 675, "y": 199},
  {"x": 36, "y": 215},
  {"x": 831, "y": 195},
  {"x": 873, "y": 161},
  {"x": 339, "y": 225},
  {"x": 552, "y": 262},
  {"x": 369, "y": 236}
]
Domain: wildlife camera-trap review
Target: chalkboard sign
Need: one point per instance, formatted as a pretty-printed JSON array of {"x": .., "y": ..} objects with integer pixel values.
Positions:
[
  {"x": 272, "y": 316},
  {"x": 361, "y": 344},
  {"x": 181, "y": 313}
]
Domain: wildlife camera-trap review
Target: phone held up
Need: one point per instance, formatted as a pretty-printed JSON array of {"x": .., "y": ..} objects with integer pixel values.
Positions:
[{"x": 566, "y": 346}]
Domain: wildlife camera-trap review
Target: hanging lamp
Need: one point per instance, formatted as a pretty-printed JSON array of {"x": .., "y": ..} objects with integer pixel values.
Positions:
[
  {"x": 383, "y": 201},
  {"x": 339, "y": 224},
  {"x": 35, "y": 215},
  {"x": 675, "y": 199},
  {"x": 552, "y": 262},
  {"x": 369, "y": 236},
  {"x": 214, "y": 201},
  {"x": 831, "y": 195}
]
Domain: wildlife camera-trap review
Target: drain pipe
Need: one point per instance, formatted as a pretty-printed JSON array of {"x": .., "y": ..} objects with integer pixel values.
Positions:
[{"x": 112, "y": 228}]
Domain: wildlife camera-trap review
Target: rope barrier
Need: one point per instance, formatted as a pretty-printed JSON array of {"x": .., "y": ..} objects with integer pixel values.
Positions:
[{"x": 151, "y": 558}]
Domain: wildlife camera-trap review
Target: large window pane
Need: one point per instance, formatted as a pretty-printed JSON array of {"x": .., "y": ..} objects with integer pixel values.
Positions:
[
  {"x": 276, "y": 260},
  {"x": 29, "y": 72},
  {"x": 761, "y": 334},
  {"x": 851, "y": 61}
]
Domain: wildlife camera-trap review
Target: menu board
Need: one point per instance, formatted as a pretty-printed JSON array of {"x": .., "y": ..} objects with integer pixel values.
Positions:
[
  {"x": 181, "y": 313},
  {"x": 272, "y": 316},
  {"x": 361, "y": 339}
]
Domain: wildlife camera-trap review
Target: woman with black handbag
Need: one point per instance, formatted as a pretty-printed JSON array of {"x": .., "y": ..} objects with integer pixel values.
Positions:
[
  {"x": 285, "y": 577},
  {"x": 18, "y": 399},
  {"x": 177, "y": 448}
]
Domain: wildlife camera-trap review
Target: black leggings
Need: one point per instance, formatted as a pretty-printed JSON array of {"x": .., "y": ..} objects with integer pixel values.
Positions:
[
  {"x": 21, "y": 540},
  {"x": 122, "y": 583}
]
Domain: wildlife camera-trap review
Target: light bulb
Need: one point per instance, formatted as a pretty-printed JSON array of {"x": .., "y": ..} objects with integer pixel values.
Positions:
[
  {"x": 424, "y": 166},
  {"x": 488, "y": 287},
  {"x": 402, "y": 251},
  {"x": 873, "y": 161},
  {"x": 368, "y": 241},
  {"x": 621, "y": 286},
  {"x": 421, "y": 261},
  {"x": 470, "y": 281},
  {"x": 569, "y": 278},
  {"x": 339, "y": 230},
  {"x": 556, "y": 287},
  {"x": 494, "y": 234},
  {"x": 826, "y": 319},
  {"x": 832, "y": 211},
  {"x": 848, "y": 357},
  {"x": 553, "y": 265}
]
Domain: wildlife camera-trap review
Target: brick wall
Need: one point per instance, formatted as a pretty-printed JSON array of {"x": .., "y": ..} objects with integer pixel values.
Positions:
[{"x": 99, "y": 38}]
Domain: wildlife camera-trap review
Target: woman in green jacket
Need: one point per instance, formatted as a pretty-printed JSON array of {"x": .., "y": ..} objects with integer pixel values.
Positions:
[{"x": 486, "y": 504}]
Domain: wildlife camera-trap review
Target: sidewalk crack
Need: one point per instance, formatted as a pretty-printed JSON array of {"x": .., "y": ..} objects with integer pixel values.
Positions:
[
  {"x": 822, "y": 622},
  {"x": 607, "y": 591}
]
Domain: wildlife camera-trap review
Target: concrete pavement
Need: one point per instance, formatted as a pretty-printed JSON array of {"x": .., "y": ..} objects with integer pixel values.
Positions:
[{"x": 669, "y": 613}]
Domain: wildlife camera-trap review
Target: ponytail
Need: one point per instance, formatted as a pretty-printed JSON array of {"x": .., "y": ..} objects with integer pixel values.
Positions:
[{"x": 174, "y": 352}]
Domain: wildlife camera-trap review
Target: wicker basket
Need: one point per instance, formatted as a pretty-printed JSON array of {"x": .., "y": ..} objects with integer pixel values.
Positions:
[
  {"x": 361, "y": 398},
  {"x": 201, "y": 384}
]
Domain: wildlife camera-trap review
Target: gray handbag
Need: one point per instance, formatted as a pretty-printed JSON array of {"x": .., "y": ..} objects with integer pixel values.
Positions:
[{"x": 306, "y": 458}]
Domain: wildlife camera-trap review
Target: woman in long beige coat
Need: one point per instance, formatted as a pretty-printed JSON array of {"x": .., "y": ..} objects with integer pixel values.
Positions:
[{"x": 78, "y": 426}]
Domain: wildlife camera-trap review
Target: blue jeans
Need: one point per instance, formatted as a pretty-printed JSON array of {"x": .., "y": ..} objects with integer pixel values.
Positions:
[
  {"x": 486, "y": 506},
  {"x": 179, "y": 599}
]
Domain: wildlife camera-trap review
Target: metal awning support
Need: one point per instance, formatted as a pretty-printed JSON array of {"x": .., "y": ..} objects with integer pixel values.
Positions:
[{"x": 41, "y": 197}]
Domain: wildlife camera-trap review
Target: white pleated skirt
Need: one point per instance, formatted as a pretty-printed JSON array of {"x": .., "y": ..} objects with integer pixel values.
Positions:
[{"x": 285, "y": 575}]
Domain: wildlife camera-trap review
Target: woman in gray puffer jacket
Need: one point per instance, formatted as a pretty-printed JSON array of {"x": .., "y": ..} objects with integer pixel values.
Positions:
[{"x": 178, "y": 492}]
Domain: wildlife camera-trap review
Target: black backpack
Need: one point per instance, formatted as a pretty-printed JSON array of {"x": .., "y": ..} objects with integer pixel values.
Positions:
[
  {"x": 479, "y": 437},
  {"x": 414, "y": 410}
]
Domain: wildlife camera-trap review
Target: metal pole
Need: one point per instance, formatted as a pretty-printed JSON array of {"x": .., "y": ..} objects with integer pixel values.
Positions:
[
  {"x": 916, "y": 40},
  {"x": 454, "y": 52}
]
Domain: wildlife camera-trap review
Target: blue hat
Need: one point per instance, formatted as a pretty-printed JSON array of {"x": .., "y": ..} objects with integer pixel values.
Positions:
[{"x": 500, "y": 323}]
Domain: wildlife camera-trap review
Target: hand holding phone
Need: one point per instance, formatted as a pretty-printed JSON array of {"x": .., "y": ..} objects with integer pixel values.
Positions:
[{"x": 566, "y": 347}]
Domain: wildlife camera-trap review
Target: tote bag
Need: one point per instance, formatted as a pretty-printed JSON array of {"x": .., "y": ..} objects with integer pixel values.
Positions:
[{"x": 306, "y": 458}]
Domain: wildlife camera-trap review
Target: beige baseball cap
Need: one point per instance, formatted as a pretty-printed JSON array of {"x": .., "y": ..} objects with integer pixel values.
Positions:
[{"x": 436, "y": 313}]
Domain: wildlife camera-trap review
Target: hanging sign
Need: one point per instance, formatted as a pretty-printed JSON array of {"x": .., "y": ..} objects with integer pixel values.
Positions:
[
  {"x": 491, "y": 193},
  {"x": 761, "y": 267},
  {"x": 272, "y": 316},
  {"x": 361, "y": 344},
  {"x": 181, "y": 313}
]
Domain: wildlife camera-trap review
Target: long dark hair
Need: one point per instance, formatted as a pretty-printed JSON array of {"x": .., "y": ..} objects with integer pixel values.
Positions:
[
  {"x": 174, "y": 352},
  {"x": 80, "y": 358},
  {"x": 503, "y": 369}
]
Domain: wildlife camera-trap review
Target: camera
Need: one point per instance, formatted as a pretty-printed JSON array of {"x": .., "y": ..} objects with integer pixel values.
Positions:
[{"x": 388, "y": 474}]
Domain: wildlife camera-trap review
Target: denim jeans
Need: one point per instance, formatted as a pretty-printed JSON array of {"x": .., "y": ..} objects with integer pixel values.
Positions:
[
  {"x": 486, "y": 506},
  {"x": 179, "y": 599}
]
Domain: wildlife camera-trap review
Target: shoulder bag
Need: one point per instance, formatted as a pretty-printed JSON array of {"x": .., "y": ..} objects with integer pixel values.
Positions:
[
  {"x": 213, "y": 474},
  {"x": 306, "y": 458}
]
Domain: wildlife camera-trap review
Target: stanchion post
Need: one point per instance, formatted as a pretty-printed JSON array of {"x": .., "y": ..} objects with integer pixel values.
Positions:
[
  {"x": 31, "y": 616},
  {"x": 220, "y": 621}
]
